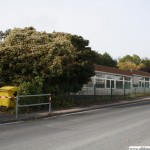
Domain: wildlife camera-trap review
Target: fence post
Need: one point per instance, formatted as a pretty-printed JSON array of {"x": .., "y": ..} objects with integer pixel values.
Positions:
[
  {"x": 144, "y": 90},
  {"x": 17, "y": 101},
  {"x": 95, "y": 92},
  {"x": 135, "y": 91},
  {"x": 50, "y": 101},
  {"x": 124, "y": 91},
  {"x": 111, "y": 91}
]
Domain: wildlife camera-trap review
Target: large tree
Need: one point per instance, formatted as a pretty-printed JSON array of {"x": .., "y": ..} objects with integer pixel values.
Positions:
[{"x": 55, "y": 61}]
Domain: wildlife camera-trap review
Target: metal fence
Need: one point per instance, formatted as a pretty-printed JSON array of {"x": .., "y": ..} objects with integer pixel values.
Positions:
[
  {"x": 34, "y": 104},
  {"x": 30, "y": 103},
  {"x": 103, "y": 95},
  {"x": 88, "y": 95},
  {"x": 103, "y": 91}
]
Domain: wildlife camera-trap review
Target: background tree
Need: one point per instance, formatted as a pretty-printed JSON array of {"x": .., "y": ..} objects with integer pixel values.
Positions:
[
  {"x": 55, "y": 62},
  {"x": 107, "y": 60},
  {"x": 130, "y": 63},
  {"x": 146, "y": 62},
  {"x": 104, "y": 59}
]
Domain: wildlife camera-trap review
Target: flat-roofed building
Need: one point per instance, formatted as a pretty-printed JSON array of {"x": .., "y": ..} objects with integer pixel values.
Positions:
[{"x": 113, "y": 78}]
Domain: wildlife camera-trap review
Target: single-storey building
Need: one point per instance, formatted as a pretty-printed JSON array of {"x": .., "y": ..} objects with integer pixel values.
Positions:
[
  {"x": 107, "y": 78},
  {"x": 110, "y": 77}
]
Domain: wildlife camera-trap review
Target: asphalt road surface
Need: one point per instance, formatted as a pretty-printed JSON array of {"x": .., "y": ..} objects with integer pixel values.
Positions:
[{"x": 114, "y": 128}]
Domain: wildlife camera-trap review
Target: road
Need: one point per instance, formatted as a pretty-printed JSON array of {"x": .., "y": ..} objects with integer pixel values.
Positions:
[{"x": 114, "y": 128}]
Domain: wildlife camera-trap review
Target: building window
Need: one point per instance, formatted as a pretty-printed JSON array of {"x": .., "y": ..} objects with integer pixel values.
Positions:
[
  {"x": 146, "y": 79},
  {"x": 110, "y": 76},
  {"x": 127, "y": 85},
  {"x": 110, "y": 84},
  {"x": 141, "y": 78},
  {"x": 119, "y": 77},
  {"x": 100, "y": 83},
  {"x": 100, "y": 75},
  {"x": 127, "y": 78},
  {"x": 141, "y": 84},
  {"x": 119, "y": 84},
  {"x": 146, "y": 84},
  {"x": 107, "y": 83}
]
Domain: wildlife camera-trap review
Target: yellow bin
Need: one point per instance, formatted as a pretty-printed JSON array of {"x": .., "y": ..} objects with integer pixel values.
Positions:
[{"x": 7, "y": 95}]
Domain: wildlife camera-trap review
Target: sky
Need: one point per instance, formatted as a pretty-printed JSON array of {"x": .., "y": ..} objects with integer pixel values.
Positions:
[{"x": 118, "y": 27}]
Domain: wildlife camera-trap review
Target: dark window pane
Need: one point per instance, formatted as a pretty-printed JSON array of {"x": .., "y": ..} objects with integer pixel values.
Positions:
[
  {"x": 127, "y": 85},
  {"x": 147, "y": 84},
  {"x": 112, "y": 84},
  {"x": 100, "y": 83},
  {"x": 107, "y": 83},
  {"x": 119, "y": 84}
]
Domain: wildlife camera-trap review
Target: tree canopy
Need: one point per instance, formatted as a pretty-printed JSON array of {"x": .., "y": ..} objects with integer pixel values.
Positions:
[
  {"x": 130, "y": 63},
  {"x": 146, "y": 62},
  {"x": 54, "y": 61},
  {"x": 104, "y": 59}
]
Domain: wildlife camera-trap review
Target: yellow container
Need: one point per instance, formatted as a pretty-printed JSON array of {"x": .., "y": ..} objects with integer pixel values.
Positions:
[{"x": 7, "y": 94}]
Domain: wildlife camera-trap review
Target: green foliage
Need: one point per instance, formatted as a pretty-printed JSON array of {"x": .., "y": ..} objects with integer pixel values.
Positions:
[
  {"x": 146, "y": 62},
  {"x": 32, "y": 87},
  {"x": 136, "y": 59},
  {"x": 53, "y": 62},
  {"x": 104, "y": 59},
  {"x": 133, "y": 59},
  {"x": 108, "y": 60},
  {"x": 130, "y": 63}
]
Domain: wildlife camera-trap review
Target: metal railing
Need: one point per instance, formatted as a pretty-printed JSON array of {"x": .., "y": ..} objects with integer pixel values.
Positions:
[
  {"x": 41, "y": 104},
  {"x": 32, "y": 104},
  {"x": 96, "y": 93}
]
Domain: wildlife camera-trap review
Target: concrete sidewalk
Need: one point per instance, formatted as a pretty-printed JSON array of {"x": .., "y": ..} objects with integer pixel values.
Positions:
[{"x": 6, "y": 118}]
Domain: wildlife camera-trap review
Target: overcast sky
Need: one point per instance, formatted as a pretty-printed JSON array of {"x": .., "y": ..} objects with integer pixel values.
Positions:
[{"x": 118, "y": 27}]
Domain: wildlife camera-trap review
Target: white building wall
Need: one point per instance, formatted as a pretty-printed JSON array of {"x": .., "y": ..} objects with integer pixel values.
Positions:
[{"x": 94, "y": 89}]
